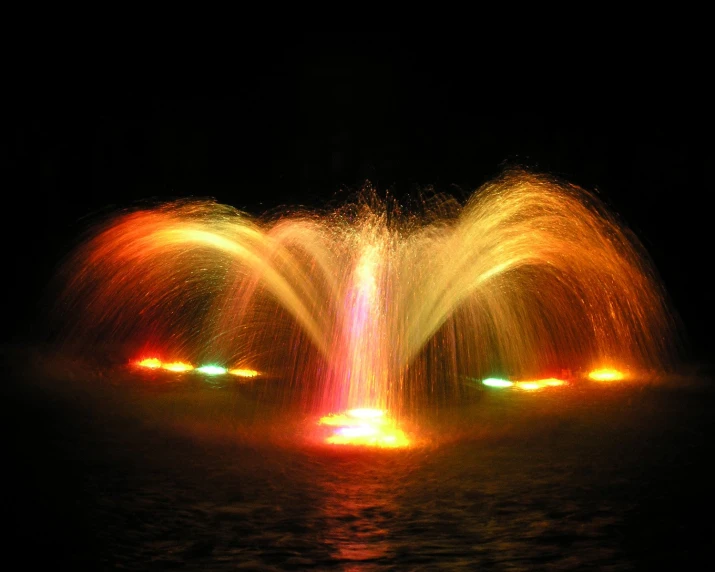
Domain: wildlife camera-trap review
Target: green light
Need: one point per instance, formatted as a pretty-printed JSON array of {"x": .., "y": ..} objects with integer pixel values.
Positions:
[
  {"x": 211, "y": 369},
  {"x": 496, "y": 382}
]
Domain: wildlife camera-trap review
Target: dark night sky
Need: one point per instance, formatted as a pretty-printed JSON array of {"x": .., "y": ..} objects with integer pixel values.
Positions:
[{"x": 298, "y": 128}]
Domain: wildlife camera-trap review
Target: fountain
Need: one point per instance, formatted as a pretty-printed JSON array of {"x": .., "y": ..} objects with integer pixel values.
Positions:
[{"x": 372, "y": 308}]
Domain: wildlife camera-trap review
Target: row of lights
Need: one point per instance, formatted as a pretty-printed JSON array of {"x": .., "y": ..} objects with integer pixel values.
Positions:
[
  {"x": 603, "y": 374},
  {"x": 180, "y": 366}
]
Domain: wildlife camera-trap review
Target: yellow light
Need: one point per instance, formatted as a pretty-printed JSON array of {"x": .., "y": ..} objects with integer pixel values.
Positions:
[
  {"x": 151, "y": 363},
  {"x": 606, "y": 374},
  {"x": 240, "y": 372},
  {"x": 366, "y": 413},
  {"x": 528, "y": 385},
  {"x": 350, "y": 436},
  {"x": 178, "y": 366},
  {"x": 366, "y": 427},
  {"x": 342, "y": 420},
  {"x": 533, "y": 385}
]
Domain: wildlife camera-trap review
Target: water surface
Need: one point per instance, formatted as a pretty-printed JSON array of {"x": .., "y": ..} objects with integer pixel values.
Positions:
[{"x": 109, "y": 470}]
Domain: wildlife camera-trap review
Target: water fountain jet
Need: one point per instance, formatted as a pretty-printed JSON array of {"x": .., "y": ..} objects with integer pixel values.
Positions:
[{"x": 358, "y": 309}]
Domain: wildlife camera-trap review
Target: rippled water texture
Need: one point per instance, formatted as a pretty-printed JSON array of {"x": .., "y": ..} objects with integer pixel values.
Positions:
[{"x": 110, "y": 471}]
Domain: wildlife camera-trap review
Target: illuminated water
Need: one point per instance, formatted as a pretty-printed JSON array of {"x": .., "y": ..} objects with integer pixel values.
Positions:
[
  {"x": 108, "y": 470},
  {"x": 372, "y": 305},
  {"x": 370, "y": 325}
]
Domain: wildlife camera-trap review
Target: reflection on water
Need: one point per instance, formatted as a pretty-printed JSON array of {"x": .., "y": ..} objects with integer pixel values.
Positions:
[
  {"x": 359, "y": 509},
  {"x": 113, "y": 476}
]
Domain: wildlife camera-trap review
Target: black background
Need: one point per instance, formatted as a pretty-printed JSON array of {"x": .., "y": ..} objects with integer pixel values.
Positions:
[{"x": 303, "y": 127}]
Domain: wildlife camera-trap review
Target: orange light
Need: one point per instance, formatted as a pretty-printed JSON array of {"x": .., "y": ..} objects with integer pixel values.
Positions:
[
  {"x": 240, "y": 372},
  {"x": 366, "y": 413},
  {"x": 151, "y": 363},
  {"x": 366, "y": 427},
  {"x": 178, "y": 366},
  {"x": 606, "y": 374},
  {"x": 539, "y": 383},
  {"x": 528, "y": 385}
]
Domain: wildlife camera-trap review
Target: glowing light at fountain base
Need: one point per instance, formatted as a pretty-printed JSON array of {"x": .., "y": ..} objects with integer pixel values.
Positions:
[
  {"x": 531, "y": 385},
  {"x": 497, "y": 382},
  {"x": 212, "y": 369},
  {"x": 177, "y": 366},
  {"x": 150, "y": 363},
  {"x": 364, "y": 427},
  {"x": 243, "y": 372},
  {"x": 606, "y": 374}
]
